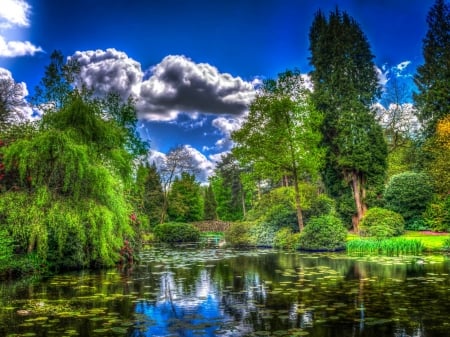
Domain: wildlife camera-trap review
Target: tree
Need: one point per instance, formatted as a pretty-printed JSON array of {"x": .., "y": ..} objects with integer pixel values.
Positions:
[
  {"x": 280, "y": 136},
  {"x": 149, "y": 193},
  {"x": 433, "y": 76},
  {"x": 11, "y": 101},
  {"x": 177, "y": 161},
  {"x": 210, "y": 204},
  {"x": 439, "y": 149},
  {"x": 70, "y": 207},
  {"x": 345, "y": 87},
  {"x": 185, "y": 199},
  {"x": 57, "y": 84},
  {"x": 229, "y": 189}
]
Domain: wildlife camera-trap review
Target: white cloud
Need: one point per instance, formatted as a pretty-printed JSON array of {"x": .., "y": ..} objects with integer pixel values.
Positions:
[
  {"x": 177, "y": 84},
  {"x": 402, "y": 66},
  {"x": 398, "y": 117},
  {"x": 14, "y": 13},
  {"x": 382, "y": 74},
  {"x": 109, "y": 70},
  {"x": 17, "y": 48}
]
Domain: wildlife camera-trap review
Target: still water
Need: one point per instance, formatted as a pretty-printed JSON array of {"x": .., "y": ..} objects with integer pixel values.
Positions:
[{"x": 220, "y": 292}]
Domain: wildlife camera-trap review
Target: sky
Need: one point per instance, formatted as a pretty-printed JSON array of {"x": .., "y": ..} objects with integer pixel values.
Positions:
[{"x": 194, "y": 65}]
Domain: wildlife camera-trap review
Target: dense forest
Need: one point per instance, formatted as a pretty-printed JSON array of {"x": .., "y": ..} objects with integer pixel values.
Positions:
[{"x": 77, "y": 189}]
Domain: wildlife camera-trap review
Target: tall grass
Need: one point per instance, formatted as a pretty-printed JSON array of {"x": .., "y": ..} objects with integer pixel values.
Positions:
[{"x": 390, "y": 247}]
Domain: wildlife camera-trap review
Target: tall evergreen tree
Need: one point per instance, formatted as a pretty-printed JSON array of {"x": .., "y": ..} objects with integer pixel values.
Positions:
[
  {"x": 185, "y": 199},
  {"x": 433, "y": 77},
  {"x": 210, "y": 206},
  {"x": 345, "y": 87}
]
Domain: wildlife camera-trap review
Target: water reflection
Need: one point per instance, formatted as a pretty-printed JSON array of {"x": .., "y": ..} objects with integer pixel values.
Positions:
[{"x": 190, "y": 292}]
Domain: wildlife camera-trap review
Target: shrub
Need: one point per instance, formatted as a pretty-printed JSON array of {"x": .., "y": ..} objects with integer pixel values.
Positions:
[
  {"x": 437, "y": 215},
  {"x": 382, "y": 223},
  {"x": 408, "y": 194},
  {"x": 238, "y": 235},
  {"x": 446, "y": 245},
  {"x": 286, "y": 239},
  {"x": 6, "y": 250},
  {"x": 321, "y": 205},
  {"x": 262, "y": 234},
  {"x": 173, "y": 232},
  {"x": 323, "y": 233}
]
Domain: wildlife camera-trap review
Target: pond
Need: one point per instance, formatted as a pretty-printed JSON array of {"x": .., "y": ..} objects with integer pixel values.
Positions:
[{"x": 222, "y": 292}]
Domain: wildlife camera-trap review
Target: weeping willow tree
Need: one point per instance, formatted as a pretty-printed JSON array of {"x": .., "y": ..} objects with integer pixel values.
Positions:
[{"x": 69, "y": 204}]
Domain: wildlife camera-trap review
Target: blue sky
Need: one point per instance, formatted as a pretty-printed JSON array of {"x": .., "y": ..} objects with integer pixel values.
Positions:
[{"x": 194, "y": 64}]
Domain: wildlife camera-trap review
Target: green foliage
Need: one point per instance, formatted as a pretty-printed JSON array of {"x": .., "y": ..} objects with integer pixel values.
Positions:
[
  {"x": 432, "y": 77},
  {"x": 437, "y": 215},
  {"x": 148, "y": 193},
  {"x": 408, "y": 194},
  {"x": 185, "y": 199},
  {"x": 175, "y": 232},
  {"x": 345, "y": 87},
  {"x": 286, "y": 239},
  {"x": 382, "y": 223},
  {"x": 6, "y": 250},
  {"x": 262, "y": 234},
  {"x": 281, "y": 134},
  {"x": 323, "y": 233},
  {"x": 210, "y": 205},
  {"x": 228, "y": 189},
  {"x": 238, "y": 235},
  {"x": 321, "y": 204},
  {"x": 390, "y": 247},
  {"x": 446, "y": 245}
]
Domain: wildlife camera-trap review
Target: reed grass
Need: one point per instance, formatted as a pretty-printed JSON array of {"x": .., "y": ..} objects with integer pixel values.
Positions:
[{"x": 389, "y": 247}]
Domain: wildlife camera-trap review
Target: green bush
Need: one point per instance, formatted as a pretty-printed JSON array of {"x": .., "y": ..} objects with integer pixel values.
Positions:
[
  {"x": 323, "y": 233},
  {"x": 263, "y": 233},
  {"x": 238, "y": 235},
  {"x": 286, "y": 239},
  {"x": 382, "y": 223},
  {"x": 174, "y": 232},
  {"x": 437, "y": 215},
  {"x": 408, "y": 194},
  {"x": 321, "y": 205}
]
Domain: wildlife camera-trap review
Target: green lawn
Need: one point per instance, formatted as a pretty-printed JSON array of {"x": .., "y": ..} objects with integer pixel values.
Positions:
[{"x": 432, "y": 242}]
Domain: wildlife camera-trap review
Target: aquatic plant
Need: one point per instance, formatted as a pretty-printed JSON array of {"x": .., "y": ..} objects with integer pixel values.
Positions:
[{"x": 390, "y": 247}]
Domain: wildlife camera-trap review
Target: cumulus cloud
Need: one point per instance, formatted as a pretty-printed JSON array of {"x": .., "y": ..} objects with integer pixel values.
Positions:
[
  {"x": 17, "y": 48},
  {"x": 14, "y": 13},
  {"x": 108, "y": 70},
  {"x": 177, "y": 84}
]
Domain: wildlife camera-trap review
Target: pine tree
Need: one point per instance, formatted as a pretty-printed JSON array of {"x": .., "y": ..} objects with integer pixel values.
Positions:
[
  {"x": 210, "y": 207},
  {"x": 433, "y": 77},
  {"x": 345, "y": 87}
]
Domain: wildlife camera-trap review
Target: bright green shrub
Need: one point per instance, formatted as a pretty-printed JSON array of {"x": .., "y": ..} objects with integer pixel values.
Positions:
[
  {"x": 172, "y": 232},
  {"x": 263, "y": 233},
  {"x": 321, "y": 205},
  {"x": 381, "y": 223},
  {"x": 437, "y": 215},
  {"x": 286, "y": 239},
  {"x": 323, "y": 233},
  {"x": 408, "y": 194},
  {"x": 238, "y": 235},
  {"x": 446, "y": 245}
]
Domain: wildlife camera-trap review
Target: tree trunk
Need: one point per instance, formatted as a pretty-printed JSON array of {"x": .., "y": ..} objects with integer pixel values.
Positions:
[
  {"x": 297, "y": 204},
  {"x": 359, "y": 194}
]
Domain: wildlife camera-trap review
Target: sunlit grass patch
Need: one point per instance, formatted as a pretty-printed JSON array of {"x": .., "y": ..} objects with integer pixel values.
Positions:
[{"x": 390, "y": 247}]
